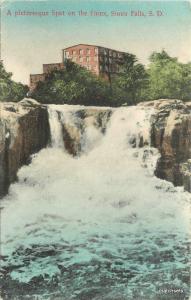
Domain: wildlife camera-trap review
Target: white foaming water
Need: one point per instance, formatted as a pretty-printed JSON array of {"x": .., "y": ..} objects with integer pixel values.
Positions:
[
  {"x": 55, "y": 128},
  {"x": 105, "y": 206},
  {"x": 88, "y": 134}
]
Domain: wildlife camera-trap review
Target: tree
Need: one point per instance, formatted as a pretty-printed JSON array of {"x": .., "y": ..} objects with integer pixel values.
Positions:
[
  {"x": 72, "y": 85},
  {"x": 10, "y": 90},
  {"x": 168, "y": 78},
  {"x": 129, "y": 84}
]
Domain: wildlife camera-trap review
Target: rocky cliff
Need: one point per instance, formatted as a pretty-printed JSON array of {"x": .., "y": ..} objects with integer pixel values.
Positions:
[
  {"x": 171, "y": 134},
  {"x": 24, "y": 130}
]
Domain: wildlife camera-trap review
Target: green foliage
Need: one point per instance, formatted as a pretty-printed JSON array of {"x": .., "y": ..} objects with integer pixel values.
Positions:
[
  {"x": 128, "y": 86},
  {"x": 10, "y": 90},
  {"x": 168, "y": 78},
  {"x": 72, "y": 85},
  {"x": 165, "y": 77}
]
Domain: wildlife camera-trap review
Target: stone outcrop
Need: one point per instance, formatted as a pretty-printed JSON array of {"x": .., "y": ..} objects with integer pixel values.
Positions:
[
  {"x": 24, "y": 130},
  {"x": 171, "y": 134},
  {"x": 74, "y": 132}
]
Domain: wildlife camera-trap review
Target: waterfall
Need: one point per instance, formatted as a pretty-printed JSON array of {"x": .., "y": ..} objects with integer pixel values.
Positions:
[
  {"x": 55, "y": 128},
  {"x": 67, "y": 119},
  {"x": 133, "y": 122},
  {"x": 97, "y": 225}
]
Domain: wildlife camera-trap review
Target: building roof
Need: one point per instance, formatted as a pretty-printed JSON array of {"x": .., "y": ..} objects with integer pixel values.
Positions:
[
  {"x": 79, "y": 45},
  {"x": 37, "y": 74},
  {"x": 42, "y": 74},
  {"x": 93, "y": 46},
  {"x": 55, "y": 63}
]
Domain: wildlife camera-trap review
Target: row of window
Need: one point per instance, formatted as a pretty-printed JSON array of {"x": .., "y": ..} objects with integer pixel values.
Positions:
[
  {"x": 95, "y": 68},
  {"x": 80, "y": 52},
  {"x": 106, "y": 60},
  {"x": 91, "y": 68},
  {"x": 102, "y": 68},
  {"x": 111, "y": 53},
  {"x": 86, "y": 59},
  {"x": 87, "y": 52}
]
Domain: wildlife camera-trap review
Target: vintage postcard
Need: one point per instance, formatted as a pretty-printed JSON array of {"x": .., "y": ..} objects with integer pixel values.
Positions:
[{"x": 95, "y": 150}]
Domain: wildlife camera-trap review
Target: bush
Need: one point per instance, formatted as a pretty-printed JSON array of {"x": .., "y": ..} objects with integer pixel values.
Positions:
[
  {"x": 168, "y": 78},
  {"x": 73, "y": 85},
  {"x": 10, "y": 90}
]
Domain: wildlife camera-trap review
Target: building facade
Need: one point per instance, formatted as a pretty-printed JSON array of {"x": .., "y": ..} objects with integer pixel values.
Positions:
[
  {"x": 47, "y": 69},
  {"x": 100, "y": 61}
]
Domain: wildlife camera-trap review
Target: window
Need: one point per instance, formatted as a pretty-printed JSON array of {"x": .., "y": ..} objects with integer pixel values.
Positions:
[
  {"x": 105, "y": 51},
  {"x": 81, "y": 59},
  {"x": 67, "y": 54},
  {"x": 74, "y": 59},
  {"x": 73, "y": 52},
  {"x": 101, "y": 50},
  {"x": 81, "y": 51},
  {"x": 95, "y": 58},
  {"x": 114, "y": 54},
  {"x": 88, "y": 67},
  {"x": 96, "y": 50},
  {"x": 88, "y": 51},
  {"x": 87, "y": 58}
]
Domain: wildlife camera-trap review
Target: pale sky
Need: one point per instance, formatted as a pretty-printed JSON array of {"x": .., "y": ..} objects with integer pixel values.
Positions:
[{"x": 30, "y": 41}]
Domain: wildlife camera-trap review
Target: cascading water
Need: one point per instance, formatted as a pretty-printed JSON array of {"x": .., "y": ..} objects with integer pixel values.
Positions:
[
  {"x": 55, "y": 129},
  {"x": 99, "y": 225}
]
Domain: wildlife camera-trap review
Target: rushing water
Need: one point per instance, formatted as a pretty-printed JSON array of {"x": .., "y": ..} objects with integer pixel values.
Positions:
[{"x": 97, "y": 226}]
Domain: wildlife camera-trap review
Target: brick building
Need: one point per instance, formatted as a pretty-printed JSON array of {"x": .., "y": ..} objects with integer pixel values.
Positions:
[
  {"x": 47, "y": 68},
  {"x": 99, "y": 60}
]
